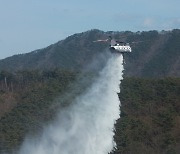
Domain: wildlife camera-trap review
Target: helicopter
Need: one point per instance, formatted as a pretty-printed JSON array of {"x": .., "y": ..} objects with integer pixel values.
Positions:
[{"x": 117, "y": 46}]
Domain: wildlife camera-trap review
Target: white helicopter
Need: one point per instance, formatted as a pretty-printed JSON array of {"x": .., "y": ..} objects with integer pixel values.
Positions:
[{"x": 117, "y": 47}]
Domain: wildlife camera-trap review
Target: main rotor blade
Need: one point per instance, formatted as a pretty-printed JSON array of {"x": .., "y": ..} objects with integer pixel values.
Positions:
[
  {"x": 101, "y": 40},
  {"x": 137, "y": 42}
]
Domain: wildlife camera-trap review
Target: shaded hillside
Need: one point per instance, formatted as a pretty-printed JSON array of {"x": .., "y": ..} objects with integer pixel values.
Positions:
[
  {"x": 155, "y": 54},
  {"x": 72, "y": 53},
  {"x": 150, "y": 117}
]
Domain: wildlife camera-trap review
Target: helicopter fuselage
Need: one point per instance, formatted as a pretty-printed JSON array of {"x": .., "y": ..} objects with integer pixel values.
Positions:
[
  {"x": 117, "y": 47},
  {"x": 120, "y": 48}
]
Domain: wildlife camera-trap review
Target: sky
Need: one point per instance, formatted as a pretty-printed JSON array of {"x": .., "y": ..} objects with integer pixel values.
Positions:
[{"x": 27, "y": 25}]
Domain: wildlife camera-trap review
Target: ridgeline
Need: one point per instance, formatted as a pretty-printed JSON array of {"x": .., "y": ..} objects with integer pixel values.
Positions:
[{"x": 155, "y": 54}]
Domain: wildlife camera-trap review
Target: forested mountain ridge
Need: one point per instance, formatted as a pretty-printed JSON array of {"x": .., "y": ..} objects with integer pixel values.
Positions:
[
  {"x": 72, "y": 53},
  {"x": 154, "y": 54}
]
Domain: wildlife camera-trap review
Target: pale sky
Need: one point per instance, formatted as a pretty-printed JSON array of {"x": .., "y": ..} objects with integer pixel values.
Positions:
[{"x": 27, "y": 25}]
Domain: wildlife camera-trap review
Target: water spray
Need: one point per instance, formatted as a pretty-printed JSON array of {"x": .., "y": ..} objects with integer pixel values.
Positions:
[{"x": 87, "y": 126}]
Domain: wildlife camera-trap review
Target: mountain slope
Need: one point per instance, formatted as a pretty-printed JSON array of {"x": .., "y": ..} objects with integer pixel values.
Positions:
[
  {"x": 150, "y": 119},
  {"x": 71, "y": 53},
  {"x": 155, "y": 54},
  {"x": 26, "y": 96}
]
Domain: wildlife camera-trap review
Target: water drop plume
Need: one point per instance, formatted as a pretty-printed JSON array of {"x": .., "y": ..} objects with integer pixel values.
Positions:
[{"x": 87, "y": 126}]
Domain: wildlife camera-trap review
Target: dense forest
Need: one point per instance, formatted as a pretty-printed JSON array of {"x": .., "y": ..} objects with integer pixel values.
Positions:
[
  {"x": 29, "y": 99},
  {"x": 150, "y": 117},
  {"x": 149, "y": 120}
]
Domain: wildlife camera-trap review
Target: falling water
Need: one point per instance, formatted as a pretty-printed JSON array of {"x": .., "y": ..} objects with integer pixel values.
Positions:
[{"x": 86, "y": 127}]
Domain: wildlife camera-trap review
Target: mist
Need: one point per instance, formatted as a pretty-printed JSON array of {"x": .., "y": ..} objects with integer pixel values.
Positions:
[{"x": 86, "y": 126}]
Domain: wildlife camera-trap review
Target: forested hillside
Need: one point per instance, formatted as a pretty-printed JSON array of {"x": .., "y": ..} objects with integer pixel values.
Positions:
[
  {"x": 158, "y": 55},
  {"x": 30, "y": 99},
  {"x": 149, "y": 123},
  {"x": 34, "y": 86},
  {"x": 150, "y": 117},
  {"x": 73, "y": 53},
  {"x": 154, "y": 54}
]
